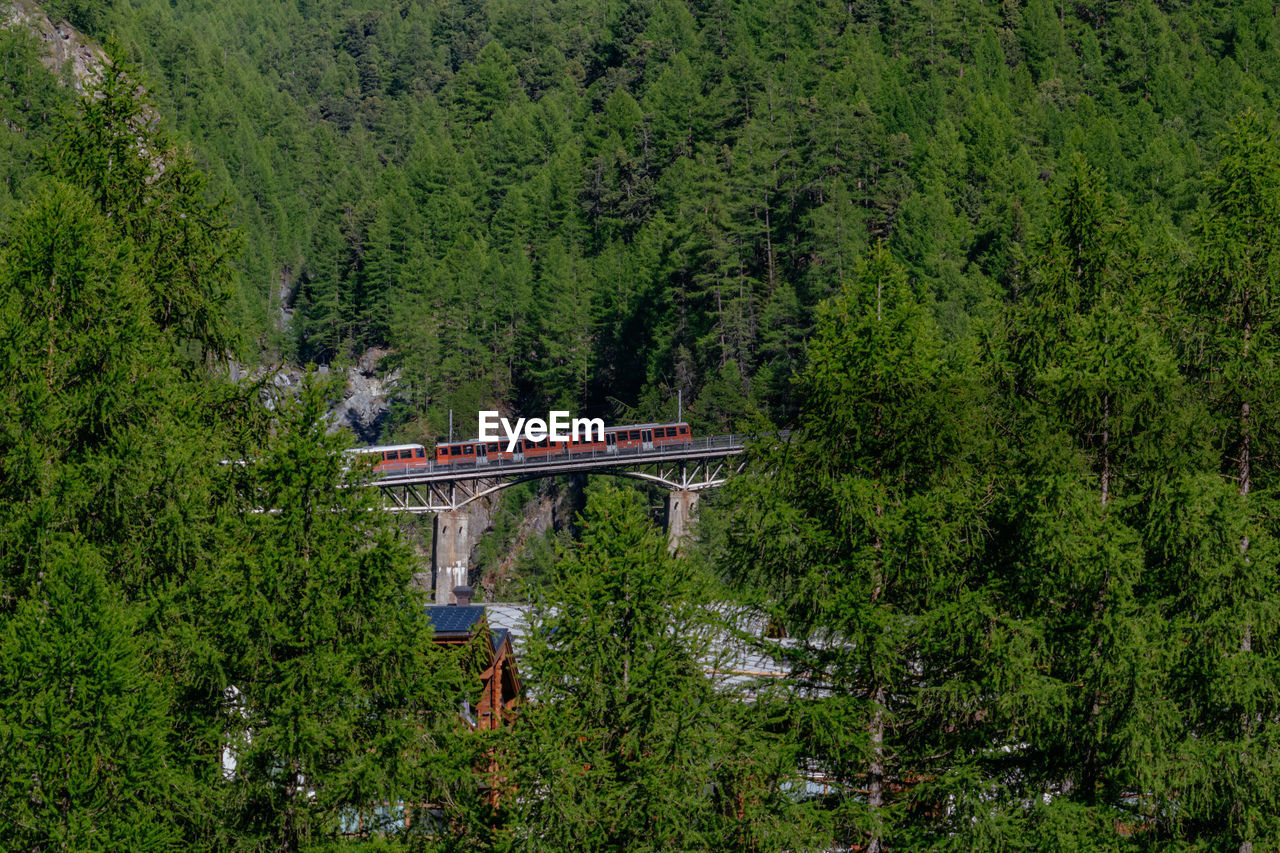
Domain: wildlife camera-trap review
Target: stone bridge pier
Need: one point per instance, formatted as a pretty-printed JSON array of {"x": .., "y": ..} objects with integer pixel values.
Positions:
[
  {"x": 451, "y": 541},
  {"x": 682, "y": 508},
  {"x": 450, "y": 553}
]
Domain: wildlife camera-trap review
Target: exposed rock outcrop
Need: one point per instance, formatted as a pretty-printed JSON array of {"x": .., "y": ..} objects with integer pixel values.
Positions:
[
  {"x": 366, "y": 402},
  {"x": 367, "y": 405},
  {"x": 65, "y": 47}
]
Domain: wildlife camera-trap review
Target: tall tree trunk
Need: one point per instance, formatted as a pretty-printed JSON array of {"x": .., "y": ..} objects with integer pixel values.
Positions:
[
  {"x": 1106, "y": 451},
  {"x": 876, "y": 773},
  {"x": 1246, "y": 641}
]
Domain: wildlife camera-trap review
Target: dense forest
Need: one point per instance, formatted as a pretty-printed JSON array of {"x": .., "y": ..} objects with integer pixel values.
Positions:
[
  {"x": 595, "y": 204},
  {"x": 1008, "y": 275}
]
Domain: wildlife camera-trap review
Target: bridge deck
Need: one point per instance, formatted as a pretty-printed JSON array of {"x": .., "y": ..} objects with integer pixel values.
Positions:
[{"x": 708, "y": 447}]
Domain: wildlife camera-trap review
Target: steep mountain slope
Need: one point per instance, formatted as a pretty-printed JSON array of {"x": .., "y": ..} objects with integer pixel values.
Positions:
[{"x": 597, "y": 204}]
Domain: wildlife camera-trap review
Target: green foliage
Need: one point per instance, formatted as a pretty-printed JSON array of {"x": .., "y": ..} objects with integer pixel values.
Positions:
[
  {"x": 185, "y": 577},
  {"x": 30, "y": 98},
  {"x": 338, "y": 689},
  {"x": 155, "y": 198},
  {"x": 627, "y": 743},
  {"x": 865, "y": 545},
  {"x": 83, "y": 724},
  {"x": 1009, "y": 271},
  {"x": 584, "y": 204}
]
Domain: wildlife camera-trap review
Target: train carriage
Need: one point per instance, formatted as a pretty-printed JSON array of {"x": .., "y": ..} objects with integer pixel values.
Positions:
[
  {"x": 631, "y": 438},
  {"x": 393, "y": 456}
]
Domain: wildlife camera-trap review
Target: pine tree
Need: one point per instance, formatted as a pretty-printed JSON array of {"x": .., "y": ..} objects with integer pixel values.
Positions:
[
  {"x": 863, "y": 538},
  {"x": 341, "y": 697},
  {"x": 81, "y": 362},
  {"x": 1099, "y": 400},
  {"x": 1229, "y": 599},
  {"x": 156, "y": 198},
  {"x": 84, "y": 763},
  {"x": 625, "y": 743}
]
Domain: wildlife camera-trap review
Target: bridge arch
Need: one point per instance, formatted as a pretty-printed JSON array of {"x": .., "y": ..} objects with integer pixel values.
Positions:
[
  {"x": 445, "y": 492},
  {"x": 487, "y": 489}
]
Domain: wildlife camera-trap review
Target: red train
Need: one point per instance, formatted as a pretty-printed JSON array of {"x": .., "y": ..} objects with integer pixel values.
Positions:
[
  {"x": 637, "y": 437},
  {"x": 394, "y": 455}
]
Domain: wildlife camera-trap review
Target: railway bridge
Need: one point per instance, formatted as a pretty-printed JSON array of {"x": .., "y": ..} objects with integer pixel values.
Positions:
[{"x": 444, "y": 491}]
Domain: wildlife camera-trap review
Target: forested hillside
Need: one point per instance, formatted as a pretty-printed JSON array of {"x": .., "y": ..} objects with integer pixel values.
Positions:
[
  {"x": 597, "y": 203},
  {"x": 1008, "y": 274}
]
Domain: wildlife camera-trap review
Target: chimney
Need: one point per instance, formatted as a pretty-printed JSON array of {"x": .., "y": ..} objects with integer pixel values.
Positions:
[{"x": 463, "y": 595}]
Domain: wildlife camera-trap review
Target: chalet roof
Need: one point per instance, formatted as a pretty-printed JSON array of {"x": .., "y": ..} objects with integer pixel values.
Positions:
[
  {"x": 739, "y": 657},
  {"x": 499, "y": 634},
  {"x": 453, "y": 620},
  {"x": 511, "y": 618}
]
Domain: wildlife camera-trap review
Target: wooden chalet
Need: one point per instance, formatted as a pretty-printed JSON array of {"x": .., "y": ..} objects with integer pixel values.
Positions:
[{"x": 458, "y": 625}]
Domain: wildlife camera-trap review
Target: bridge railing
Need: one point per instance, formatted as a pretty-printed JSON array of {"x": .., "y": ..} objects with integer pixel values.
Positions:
[{"x": 705, "y": 444}]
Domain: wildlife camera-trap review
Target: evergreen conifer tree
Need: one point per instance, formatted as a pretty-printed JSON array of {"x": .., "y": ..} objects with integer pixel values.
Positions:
[
  {"x": 340, "y": 697},
  {"x": 625, "y": 743},
  {"x": 84, "y": 758},
  {"x": 1230, "y": 597},
  {"x": 863, "y": 537}
]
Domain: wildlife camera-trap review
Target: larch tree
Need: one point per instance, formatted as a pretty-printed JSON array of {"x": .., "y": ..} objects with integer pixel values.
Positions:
[
  {"x": 1230, "y": 602},
  {"x": 340, "y": 700},
  {"x": 83, "y": 719},
  {"x": 625, "y": 742},
  {"x": 1098, "y": 395},
  {"x": 863, "y": 537}
]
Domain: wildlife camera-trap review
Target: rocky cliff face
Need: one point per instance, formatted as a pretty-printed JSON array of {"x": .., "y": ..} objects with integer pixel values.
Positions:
[
  {"x": 366, "y": 400},
  {"x": 69, "y": 54}
]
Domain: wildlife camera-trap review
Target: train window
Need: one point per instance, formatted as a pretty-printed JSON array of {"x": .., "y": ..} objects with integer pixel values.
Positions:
[
  {"x": 669, "y": 432},
  {"x": 493, "y": 448},
  {"x": 634, "y": 435},
  {"x": 684, "y": 430},
  {"x": 520, "y": 446},
  {"x": 468, "y": 450},
  {"x": 406, "y": 454},
  {"x": 419, "y": 452}
]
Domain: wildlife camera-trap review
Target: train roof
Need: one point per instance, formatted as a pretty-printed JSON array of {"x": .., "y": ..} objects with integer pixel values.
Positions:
[
  {"x": 504, "y": 438},
  {"x": 381, "y": 447},
  {"x": 646, "y": 426}
]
